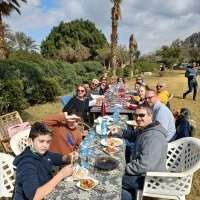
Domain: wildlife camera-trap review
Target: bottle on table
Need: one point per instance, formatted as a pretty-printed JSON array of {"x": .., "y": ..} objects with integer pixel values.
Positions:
[
  {"x": 116, "y": 114},
  {"x": 103, "y": 108},
  {"x": 103, "y": 128},
  {"x": 83, "y": 153}
]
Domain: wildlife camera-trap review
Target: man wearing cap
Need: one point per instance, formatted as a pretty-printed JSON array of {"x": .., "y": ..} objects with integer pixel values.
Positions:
[{"x": 66, "y": 137}]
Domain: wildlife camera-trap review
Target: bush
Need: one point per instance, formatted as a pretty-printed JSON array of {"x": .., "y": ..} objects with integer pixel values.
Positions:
[
  {"x": 41, "y": 80},
  {"x": 11, "y": 96}
]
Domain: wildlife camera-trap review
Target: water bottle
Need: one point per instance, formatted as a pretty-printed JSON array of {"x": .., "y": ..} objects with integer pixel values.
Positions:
[
  {"x": 104, "y": 128},
  {"x": 116, "y": 115},
  {"x": 84, "y": 153}
]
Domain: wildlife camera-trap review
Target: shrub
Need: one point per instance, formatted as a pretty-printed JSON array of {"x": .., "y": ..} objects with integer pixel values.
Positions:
[{"x": 11, "y": 96}]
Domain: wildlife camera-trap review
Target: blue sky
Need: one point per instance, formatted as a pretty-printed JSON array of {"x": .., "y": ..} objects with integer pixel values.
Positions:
[{"x": 154, "y": 22}]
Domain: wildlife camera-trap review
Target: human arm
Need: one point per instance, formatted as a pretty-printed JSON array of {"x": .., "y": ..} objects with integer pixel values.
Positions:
[
  {"x": 54, "y": 120},
  {"x": 48, "y": 187}
]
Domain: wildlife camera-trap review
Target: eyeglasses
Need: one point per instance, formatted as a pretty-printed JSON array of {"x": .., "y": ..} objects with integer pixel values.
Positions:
[
  {"x": 159, "y": 86},
  {"x": 141, "y": 115},
  {"x": 150, "y": 97},
  {"x": 80, "y": 90}
]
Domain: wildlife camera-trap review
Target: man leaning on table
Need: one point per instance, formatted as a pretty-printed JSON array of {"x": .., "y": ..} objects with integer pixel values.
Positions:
[{"x": 149, "y": 152}]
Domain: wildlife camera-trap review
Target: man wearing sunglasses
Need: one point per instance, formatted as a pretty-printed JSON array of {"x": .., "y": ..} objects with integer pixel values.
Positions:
[
  {"x": 149, "y": 153},
  {"x": 161, "y": 113}
]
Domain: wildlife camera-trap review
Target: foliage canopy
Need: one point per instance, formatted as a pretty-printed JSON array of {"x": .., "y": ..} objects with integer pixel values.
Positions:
[{"x": 78, "y": 37}]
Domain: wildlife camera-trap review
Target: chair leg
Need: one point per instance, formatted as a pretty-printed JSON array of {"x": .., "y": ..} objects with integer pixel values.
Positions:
[
  {"x": 139, "y": 195},
  {"x": 181, "y": 197}
]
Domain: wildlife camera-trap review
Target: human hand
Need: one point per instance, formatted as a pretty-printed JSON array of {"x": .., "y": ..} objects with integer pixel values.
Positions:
[
  {"x": 66, "y": 171},
  {"x": 73, "y": 156},
  {"x": 114, "y": 130}
]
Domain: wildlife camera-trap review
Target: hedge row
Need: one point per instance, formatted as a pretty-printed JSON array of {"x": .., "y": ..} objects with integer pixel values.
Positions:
[{"x": 34, "y": 80}]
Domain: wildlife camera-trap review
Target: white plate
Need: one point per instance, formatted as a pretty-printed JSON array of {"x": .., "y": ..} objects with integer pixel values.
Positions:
[
  {"x": 87, "y": 189},
  {"x": 131, "y": 122},
  {"x": 107, "y": 141}
]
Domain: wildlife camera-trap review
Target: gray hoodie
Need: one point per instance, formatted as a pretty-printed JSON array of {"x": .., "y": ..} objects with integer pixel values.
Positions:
[{"x": 150, "y": 151}]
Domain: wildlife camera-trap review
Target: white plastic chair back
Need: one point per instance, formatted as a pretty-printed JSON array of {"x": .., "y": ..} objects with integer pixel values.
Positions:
[
  {"x": 19, "y": 141},
  {"x": 183, "y": 159},
  {"x": 7, "y": 175}
]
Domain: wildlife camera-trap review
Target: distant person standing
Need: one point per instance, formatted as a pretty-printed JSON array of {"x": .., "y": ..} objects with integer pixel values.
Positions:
[{"x": 191, "y": 74}]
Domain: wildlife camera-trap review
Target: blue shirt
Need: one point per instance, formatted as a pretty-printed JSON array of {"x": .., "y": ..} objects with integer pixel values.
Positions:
[{"x": 162, "y": 114}]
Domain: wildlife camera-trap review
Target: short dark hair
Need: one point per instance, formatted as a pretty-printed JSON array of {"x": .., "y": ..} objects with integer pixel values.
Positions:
[
  {"x": 39, "y": 128},
  {"x": 148, "y": 109}
]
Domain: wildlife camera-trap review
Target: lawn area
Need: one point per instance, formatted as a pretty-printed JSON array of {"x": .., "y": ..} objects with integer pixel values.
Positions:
[{"x": 176, "y": 84}]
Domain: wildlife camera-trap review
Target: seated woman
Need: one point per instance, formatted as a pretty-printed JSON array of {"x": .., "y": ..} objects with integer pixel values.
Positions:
[
  {"x": 34, "y": 166},
  {"x": 184, "y": 128},
  {"x": 78, "y": 104},
  {"x": 94, "y": 87},
  {"x": 138, "y": 100},
  {"x": 66, "y": 137}
]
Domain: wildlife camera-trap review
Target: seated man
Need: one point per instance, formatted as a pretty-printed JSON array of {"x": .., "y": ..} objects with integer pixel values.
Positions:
[
  {"x": 34, "y": 166},
  {"x": 66, "y": 137},
  {"x": 161, "y": 113},
  {"x": 149, "y": 154}
]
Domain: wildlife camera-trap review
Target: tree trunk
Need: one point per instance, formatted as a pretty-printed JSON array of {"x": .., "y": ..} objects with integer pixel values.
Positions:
[
  {"x": 114, "y": 38},
  {"x": 2, "y": 39}
]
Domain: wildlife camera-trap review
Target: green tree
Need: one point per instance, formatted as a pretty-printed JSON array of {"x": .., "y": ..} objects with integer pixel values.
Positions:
[
  {"x": 6, "y": 7},
  {"x": 169, "y": 55},
  {"x": 80, "y": 35}
]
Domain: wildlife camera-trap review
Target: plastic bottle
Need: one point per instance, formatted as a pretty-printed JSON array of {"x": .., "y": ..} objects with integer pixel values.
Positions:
[
  {"x": 104, "y": 128},
  {"x": 116, "y": 114},
  {"x": 83, "y": 152},
  {"x": 103, "y": 108}
]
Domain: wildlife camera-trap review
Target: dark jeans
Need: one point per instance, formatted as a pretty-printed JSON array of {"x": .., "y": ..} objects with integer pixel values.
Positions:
[
  {"x": 130, "y": 184},
  {"x": 192, "y": 85},
  {"x": 129, "y": 149}
]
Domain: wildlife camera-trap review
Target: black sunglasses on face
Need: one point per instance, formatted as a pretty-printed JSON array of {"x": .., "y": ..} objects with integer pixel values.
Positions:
[
  {"x": 81, "y": 90},
  {"x": 141, "y": 115}
]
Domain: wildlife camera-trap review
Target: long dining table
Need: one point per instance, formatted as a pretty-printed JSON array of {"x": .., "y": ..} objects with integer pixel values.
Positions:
[{"x": 109, "y": 182}]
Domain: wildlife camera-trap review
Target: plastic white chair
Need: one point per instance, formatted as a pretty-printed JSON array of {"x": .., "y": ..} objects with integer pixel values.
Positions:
[
  {"x": 183, "y": 159},
  {"x": 19, "y": 141},
  {"x": 7, "y": 175}
]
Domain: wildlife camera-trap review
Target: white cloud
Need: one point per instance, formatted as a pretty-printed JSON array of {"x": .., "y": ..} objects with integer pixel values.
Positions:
[{"x": 154, "y": 22}]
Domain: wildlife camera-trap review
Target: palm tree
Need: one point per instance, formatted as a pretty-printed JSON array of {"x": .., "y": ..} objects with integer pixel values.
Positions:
[
  {"x": 6, "y": 7},
  {"x": 116, "y": 16},
  {"x": 132, "y": 48},
  {"x": 20, "y": 41}
]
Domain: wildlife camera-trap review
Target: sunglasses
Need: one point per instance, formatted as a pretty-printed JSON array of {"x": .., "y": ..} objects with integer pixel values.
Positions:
[
  {"x": 141, "y": 115},
  {"x": 146, "y": 98},
  {"x": 81, "y": 90},
  {"x": 159, "y": 86}
]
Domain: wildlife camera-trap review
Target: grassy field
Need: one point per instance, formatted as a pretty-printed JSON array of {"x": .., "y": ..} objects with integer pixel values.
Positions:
[{"x": 176, "y": 84}]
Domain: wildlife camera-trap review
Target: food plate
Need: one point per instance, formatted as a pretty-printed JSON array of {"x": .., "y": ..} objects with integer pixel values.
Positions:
[
  {"x": 131, "y": 122},
  {"x": 110, "y": 150},
  {"x": 114, "y": 142},
  {"x": 106, "y": 163},
  {"x": 87, "y": 183}
]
